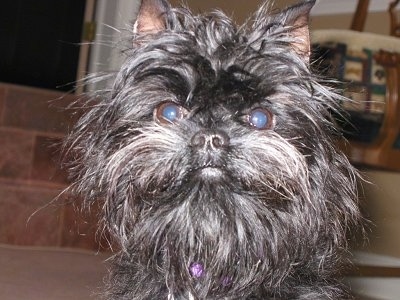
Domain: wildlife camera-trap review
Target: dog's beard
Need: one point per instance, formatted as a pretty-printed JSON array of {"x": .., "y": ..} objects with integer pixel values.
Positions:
[
  {"x": 159, "y": 160},
  {"x": 230, "y": 209}
]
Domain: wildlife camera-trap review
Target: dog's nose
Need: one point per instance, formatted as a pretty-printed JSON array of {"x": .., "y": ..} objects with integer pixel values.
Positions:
[{"x": 210, "y": 139}]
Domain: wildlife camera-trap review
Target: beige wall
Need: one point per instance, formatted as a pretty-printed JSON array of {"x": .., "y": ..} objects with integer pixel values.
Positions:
[
  {"x": 241, "y": 10},
  {"x": 376, "y": 22},
  {"x": 382, "y": 197},
  {"x": 382, "y": 200}
]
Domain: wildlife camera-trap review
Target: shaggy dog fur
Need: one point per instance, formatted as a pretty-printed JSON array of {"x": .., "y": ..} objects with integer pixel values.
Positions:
[{"x": 213, "y": 156}]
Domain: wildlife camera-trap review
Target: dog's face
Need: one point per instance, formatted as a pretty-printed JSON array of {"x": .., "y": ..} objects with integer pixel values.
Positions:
[{"x": 213, "y": 147}]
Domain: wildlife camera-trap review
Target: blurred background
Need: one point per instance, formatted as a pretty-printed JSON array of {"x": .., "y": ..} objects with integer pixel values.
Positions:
[{"x": 49, "y": 46}]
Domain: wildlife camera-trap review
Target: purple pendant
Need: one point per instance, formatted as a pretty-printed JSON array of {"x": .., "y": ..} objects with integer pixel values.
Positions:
[
  {"x": 226, "y": 281},
  {"x": 196, "y": 270}
]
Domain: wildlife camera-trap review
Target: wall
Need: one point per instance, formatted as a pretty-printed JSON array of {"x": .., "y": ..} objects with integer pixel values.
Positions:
[
  {"x": 32, "y": 124},
  {"x": 241, "y": 10},
  {"x": 382, "y": 200}
]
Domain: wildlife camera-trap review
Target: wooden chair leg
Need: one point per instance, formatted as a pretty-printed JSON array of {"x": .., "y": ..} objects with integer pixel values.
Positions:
[
  {"x": 360, "y": 15},
  {"x": 394, "y": 22}
]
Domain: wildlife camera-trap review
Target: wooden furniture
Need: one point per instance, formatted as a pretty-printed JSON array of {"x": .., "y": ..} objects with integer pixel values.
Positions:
[
  {"x": 382, "y": 153},
  {"x": 361, "y": 13},
  {"x": 383, "y": 149},
  {"x": 360, "y": 16},
  {"x": 394, "y": 22}
]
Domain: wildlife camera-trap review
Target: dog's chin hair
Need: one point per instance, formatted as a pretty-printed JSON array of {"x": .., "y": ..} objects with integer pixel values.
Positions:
[
  {"x": 255, "y": 205},
  {"x": 173, "y": 236},
  {"x": 155, "y": 163}
]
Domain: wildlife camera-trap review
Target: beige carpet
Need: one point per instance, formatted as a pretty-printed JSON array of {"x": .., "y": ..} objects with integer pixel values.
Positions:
[{"x": 50, "y": 274}]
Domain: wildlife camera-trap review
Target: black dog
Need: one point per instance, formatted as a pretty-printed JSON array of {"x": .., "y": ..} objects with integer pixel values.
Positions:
[{"x": 213, "y": 155}]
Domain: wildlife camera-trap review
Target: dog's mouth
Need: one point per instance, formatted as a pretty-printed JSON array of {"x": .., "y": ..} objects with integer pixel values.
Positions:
[{"x": 209, "y": 171}]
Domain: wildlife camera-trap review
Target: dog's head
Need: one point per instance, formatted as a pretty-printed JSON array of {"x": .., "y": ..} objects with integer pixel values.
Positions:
[{"x": 214, "y": 146}]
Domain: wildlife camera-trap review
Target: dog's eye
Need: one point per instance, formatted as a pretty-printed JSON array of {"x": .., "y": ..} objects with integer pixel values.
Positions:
[
  {"x": 260, "y": 118},
  {"x": 169, "y": 112}
]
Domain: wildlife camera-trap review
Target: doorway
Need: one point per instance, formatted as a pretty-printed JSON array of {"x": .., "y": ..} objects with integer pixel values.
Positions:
[{"x": 41, "y": 42}]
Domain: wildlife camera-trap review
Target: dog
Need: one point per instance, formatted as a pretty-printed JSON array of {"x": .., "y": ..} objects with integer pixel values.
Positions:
[{"x": 213, "y": 156}]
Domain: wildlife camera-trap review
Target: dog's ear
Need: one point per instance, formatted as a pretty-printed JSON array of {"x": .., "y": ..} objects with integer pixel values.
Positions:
[
  {"x": 151, "y": 17},
  {"x": 297, "y": 19}
]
